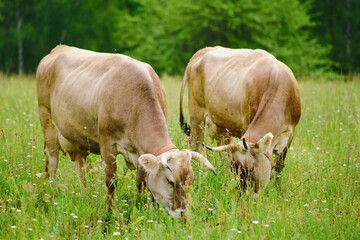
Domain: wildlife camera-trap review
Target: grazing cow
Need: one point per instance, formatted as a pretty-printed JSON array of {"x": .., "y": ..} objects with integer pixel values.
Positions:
[
  {"x": 109, "y": 104},
  {"x": 248, "y": 94}
]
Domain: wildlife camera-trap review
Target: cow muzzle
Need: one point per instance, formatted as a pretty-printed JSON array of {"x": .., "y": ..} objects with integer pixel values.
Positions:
[{"x": 177, "y": 213}]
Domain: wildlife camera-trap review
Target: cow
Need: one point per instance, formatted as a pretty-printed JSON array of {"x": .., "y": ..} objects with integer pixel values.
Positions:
[
  {"x": 111, "y": 104},
  {"x": 247, "y": 94}
]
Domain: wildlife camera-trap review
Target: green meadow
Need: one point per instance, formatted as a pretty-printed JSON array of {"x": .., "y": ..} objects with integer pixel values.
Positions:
[{"x": 316, "y": 196}]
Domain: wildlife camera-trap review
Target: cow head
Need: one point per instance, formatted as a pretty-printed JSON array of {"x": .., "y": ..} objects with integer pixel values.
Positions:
[
  {"x": 169, "y": 175},
  {"x": 250, "y": 160}
]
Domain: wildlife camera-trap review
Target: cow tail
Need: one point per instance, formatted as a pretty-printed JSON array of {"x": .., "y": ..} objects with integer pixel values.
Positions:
[{"x": 184, "y": 126}]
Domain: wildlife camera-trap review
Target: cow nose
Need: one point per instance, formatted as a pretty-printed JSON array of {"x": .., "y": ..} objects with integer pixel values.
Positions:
[
  {"x": 179, "y": 212},
  {"x": 182, "y": 214}
]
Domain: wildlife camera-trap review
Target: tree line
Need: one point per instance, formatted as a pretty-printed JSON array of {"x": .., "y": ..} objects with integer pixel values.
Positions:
[{"x": 308, "y": 35}]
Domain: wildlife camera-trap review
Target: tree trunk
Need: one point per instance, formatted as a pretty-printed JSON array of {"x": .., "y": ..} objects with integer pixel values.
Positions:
[
  {"x": 348, "y": 34},
  {"x": 20, "y": 45}
]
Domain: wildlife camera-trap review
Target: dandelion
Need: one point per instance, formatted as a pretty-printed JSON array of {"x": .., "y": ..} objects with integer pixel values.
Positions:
[{"x": 255, "y": 222}]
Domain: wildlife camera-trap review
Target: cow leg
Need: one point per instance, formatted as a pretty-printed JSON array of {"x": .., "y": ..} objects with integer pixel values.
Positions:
[
  {"x": 80, "y": 168},
  {"x": 108, "y": 155},
  {"x": 224, "y": 139},
  {"x": 282, "y": 151},
  {"x": 140, "y": 179},
  {"x": 51, "y": 142},
  {"x": 280, "y": 162},
  {"x": 197, "y": 117}
]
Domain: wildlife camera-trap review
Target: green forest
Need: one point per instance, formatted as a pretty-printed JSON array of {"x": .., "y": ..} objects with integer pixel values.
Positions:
[{"x": 310, "y": 36}]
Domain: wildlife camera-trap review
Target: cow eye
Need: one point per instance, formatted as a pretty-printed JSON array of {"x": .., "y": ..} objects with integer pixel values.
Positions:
[{"x": 171, "y": 182}]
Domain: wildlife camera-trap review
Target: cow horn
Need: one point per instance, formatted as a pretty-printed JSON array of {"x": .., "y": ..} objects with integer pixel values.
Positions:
[
  {"x": 244, "y": 143},
  {"x": 163, "y": 161},
  {"x": 201, "y": 158},
  {"x": 220, "y": 148}
]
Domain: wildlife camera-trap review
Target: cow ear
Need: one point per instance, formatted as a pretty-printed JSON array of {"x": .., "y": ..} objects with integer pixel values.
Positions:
[
  {"x": 264, "y": 142},
  {"x": 149, "y": 162}
]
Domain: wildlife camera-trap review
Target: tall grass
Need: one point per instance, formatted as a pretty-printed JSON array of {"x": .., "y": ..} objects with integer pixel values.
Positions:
[{"x": 316, "y": 197}]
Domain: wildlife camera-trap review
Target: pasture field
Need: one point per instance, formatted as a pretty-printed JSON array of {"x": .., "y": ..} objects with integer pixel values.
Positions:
[{"x": 316, "y": 197}]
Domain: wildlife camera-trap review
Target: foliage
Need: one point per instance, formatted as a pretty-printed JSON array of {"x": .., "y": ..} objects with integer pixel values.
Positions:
[
  {"x": 339, "y": 25},
  {"x": 47, "y": 23},
  {"x": 316, "y": 197},
  {"x": 307, "y": 35},
  {"x": 168, "y": 33}
]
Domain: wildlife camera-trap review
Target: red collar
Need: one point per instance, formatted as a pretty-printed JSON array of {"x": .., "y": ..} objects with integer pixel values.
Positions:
[{"x": 165, "y": 149}]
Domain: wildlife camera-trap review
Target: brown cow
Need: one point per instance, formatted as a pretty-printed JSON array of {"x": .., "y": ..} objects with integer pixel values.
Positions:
[
  {"x": 110, "y": 103},
  {"x": 248, "y": 94}
]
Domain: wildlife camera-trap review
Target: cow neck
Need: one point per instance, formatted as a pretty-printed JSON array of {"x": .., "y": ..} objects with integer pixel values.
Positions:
[
  {"x": 252, "y": 140},
  {"x": 151, "y": 131}
]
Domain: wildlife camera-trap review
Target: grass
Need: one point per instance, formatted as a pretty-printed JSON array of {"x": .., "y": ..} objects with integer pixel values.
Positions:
[{"x": 317, "y": 196}]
